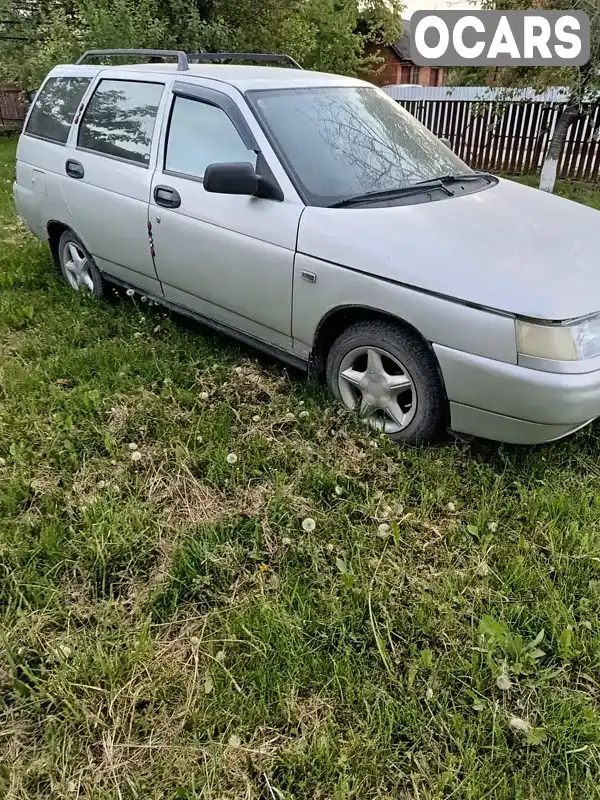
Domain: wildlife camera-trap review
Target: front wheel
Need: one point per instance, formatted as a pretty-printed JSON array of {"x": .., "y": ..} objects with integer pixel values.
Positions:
[{"x": 390, "y": 377}]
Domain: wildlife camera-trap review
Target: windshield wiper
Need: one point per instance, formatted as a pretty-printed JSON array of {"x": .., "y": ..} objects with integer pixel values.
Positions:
[
  {"x": 457, "y": 177},
  {"x": 391, "y": 194}
]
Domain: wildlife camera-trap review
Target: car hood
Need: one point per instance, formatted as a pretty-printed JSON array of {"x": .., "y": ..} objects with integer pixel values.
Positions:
[{"x": 508, "y": 247}]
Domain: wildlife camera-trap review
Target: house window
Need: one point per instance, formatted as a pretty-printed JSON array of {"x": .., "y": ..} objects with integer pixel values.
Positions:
[{"x": 414, "y": 74}]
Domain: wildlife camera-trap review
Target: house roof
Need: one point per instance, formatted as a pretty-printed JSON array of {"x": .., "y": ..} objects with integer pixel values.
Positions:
[{"x": 402, "y": 46}]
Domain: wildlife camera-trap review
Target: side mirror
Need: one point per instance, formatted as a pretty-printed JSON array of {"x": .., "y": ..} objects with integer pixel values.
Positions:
[
  {"x": 231, "y": 178},
  {"x": 446, "y": 141}
]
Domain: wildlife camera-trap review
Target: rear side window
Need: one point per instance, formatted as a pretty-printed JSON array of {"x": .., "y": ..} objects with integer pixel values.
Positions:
[
  {"x": 55, "y": 107},
  {"x": 201, "y": 134},
  {"x": 119, "y": 120}
]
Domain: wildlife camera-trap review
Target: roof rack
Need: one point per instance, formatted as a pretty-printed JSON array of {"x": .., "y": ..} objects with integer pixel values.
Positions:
[
  {"x": 182, "y": 60},
  {"x": 275, "y": 58}
]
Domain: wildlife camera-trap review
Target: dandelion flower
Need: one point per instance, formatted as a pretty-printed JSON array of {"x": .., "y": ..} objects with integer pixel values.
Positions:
[
  {"x": 503, "y": 682},
  {"x": 383, "y": 529},
  {"x": 451, "y": 507},
  {"x": 256, "y": 418},
  {"x": 234, "y": 741},
  {"x": 303, "y": 414},
  {"x": 132, "y": 446},
  {"x": 129, "y": 292},
  {"x": 203, "y": 395},
  {"x": 330, "y": 547},
  {"x": 144, "y": 299},
  {"x": 429, "y": 693},
  {"x": 101, "y": 484},
  {"x": 231, "y": 458},
  {"x": 308, "y": 525},
  {"x": 286, "y": 540},
  {"x": 137, "y": 335},
  {"x": 519, "y": 725},
  {"x": 136, "y": 455},
  {"x": 492, "y": 526},
  {"x": 220, "y": 656}
]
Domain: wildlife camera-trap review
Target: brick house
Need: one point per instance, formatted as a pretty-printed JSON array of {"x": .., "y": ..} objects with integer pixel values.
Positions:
[{"x": 398, "y": 68}]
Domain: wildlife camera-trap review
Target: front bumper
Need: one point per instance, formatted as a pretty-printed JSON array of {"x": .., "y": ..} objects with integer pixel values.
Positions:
[{"x": 511, "y": 403}]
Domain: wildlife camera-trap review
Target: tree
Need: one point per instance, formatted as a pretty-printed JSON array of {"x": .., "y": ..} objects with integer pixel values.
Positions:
[
  {"x": 322, "y": 34},
  {"x": 582, "y": 83}
]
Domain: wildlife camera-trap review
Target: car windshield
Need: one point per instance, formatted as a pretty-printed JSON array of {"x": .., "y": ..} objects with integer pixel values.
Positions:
[{"x": 340, "y": 142}]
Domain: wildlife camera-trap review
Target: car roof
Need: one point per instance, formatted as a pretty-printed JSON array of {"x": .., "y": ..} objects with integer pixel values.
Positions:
[{"x": 243, "y": 77}]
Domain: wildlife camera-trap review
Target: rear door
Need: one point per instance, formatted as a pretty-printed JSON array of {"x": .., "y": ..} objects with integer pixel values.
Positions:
[
  {"x": 228, "y": 257},
  {"x": 108, "y": 169}
]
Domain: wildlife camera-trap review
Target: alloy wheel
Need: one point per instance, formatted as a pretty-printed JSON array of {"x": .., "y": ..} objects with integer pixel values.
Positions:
[
  {"x": 77, "y": 268},
  {"x": 379, "y": 386}
]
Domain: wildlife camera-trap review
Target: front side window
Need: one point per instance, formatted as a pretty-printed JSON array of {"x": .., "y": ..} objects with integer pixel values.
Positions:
[
  {"x": 345, "y": 141},
  {"x": 201, "y": 134},
  {"x": 119, "y": 120},
  {"x": 55, "y": 106}
]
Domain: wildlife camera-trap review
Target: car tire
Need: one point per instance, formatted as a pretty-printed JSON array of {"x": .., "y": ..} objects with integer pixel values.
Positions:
[
  {"x": 391, "y": 376},
  {"x": 77, "y": 267}
]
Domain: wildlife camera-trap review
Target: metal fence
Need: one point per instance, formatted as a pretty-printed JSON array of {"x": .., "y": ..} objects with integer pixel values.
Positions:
[{"x": 511, "y": 136}]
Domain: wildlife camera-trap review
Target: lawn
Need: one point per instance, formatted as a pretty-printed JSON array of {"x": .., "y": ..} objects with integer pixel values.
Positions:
[{"x": 216, "y": 585}]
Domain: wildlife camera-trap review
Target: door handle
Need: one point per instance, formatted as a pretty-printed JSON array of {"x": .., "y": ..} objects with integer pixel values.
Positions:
[
  {"x": 167, "y": 197},
  {"x": 74, "y": 169}
]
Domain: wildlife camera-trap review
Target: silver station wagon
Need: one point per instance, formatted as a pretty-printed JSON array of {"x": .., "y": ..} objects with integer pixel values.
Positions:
[{"x": 310, "y": 215}]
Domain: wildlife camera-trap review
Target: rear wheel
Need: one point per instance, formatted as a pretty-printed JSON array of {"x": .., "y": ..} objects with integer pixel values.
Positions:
[
  {"x": 77, "y": 267},
  {"x": 390, "y": 377}
]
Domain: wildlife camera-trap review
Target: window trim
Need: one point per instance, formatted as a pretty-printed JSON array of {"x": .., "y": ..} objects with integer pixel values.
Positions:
[
  {"x": 90, "y": 81},
  {"x": 197, "y": 96},
  {"x": 121, "y": 159}
]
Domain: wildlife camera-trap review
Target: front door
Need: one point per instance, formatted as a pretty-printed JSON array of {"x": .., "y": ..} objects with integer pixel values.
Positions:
[
  {"x": 227, "y": 257},
  {"x": 108, "y": 175}
]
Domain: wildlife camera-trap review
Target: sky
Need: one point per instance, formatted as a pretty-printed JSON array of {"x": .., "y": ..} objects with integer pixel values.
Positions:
[{"x": 422, "y": 5}]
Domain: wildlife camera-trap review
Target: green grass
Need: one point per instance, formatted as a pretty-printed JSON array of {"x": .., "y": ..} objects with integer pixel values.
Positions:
[{"x": 170, "y": 630}]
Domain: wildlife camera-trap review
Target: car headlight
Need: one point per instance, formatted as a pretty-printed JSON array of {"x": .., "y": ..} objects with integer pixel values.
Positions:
[{"x": 573, "y": 341}]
